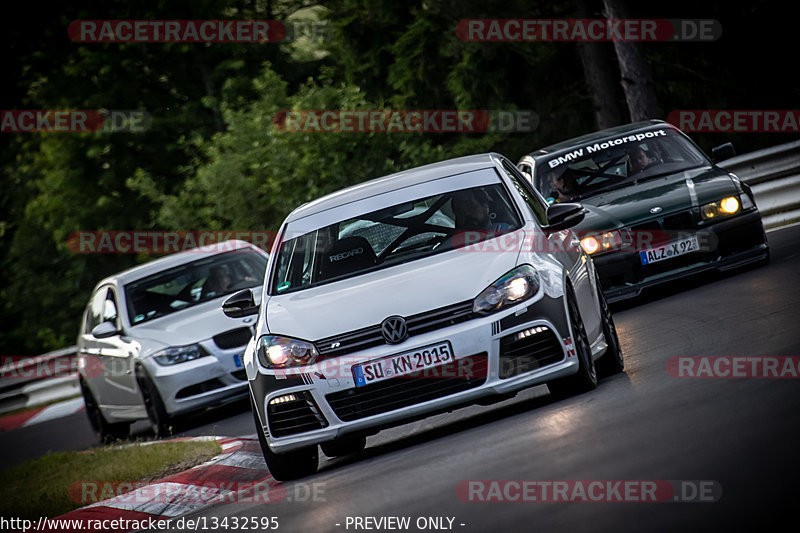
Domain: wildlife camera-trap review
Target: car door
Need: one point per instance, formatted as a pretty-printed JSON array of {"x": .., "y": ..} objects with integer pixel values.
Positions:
[
  {"x": 89, "y": 346},
  {"x": 109, "y": 360},
  {"x": 117, "y": 353}
]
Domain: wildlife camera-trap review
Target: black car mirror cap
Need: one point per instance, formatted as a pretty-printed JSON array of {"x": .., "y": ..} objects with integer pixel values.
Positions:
[
  {"x": 240, "y": 304},
  {"x": 105, "y": 330},
  {"x": 722, "y": 152},
  {"x": 564, "y": 216}
]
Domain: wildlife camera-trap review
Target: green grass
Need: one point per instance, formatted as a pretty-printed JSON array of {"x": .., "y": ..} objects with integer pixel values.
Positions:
[{"x": 52, "y": 485}]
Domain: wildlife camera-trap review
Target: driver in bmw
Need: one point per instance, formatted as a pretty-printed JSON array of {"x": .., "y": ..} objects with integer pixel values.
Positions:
[
  {"x": 563, "y": 185},
  {"x": 218, "y": 282}
]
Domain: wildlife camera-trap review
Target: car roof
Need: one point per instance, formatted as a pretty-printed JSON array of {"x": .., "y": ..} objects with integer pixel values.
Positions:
[
  {"x": 398, "y": 180},
  {"x": 601, "y": 135},
  {"x": 173, "y": 260}
]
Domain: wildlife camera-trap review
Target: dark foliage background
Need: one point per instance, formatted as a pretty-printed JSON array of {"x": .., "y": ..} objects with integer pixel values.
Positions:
[{"x": 212, "y": 160}]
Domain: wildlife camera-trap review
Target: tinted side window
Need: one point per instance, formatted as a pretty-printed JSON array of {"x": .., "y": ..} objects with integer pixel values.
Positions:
[
  {"x": 96, "y": 309},
  {"x": 110, "y": 308},
  {"x": 527, "y": 170},
  {"x": 534, "y": 201},
  {"x": 87, "y": 318}
]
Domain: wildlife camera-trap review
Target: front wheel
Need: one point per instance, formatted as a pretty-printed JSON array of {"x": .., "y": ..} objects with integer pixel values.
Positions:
[
  {"x": 611, "y": 363},
  {"x": 160, "y": 421},
  {"x": 286, "y": 466},
  {"x": 585, "y": 379},
  {"x": 106, "y": 432}
]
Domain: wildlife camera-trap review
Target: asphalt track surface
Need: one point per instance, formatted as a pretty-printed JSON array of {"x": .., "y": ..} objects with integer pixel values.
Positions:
[
  {"x": 741, "y": 434},
  {"x": 641, "y": 425}
]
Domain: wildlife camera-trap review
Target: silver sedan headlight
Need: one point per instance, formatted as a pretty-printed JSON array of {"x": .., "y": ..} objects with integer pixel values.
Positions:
[{"x": 179, "y": 354}]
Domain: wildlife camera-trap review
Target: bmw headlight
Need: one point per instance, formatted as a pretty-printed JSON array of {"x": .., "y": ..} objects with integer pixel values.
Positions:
[
  {"x": 275, "y": 351},
  {"x": 605, "y": 242},
  {"x": 179, "y": 354},
  {"x": 513, "y": 288},
  {"x": 726, "y": 206}
]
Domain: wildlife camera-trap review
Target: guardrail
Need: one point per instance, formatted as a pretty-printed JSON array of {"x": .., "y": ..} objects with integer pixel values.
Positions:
[
  {"x": 31, "y": 381},
  {"x": 774, "y": 175}
]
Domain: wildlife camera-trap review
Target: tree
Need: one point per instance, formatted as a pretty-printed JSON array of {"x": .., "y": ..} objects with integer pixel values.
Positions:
[
  {"x": 599, "y": 72},
  {"x": 636, "y": 78}
]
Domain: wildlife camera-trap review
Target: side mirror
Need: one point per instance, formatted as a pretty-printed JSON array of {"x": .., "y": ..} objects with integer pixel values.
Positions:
[
  {"x": 563, "y": 216},
  {"x": 104, "y": 330},
  {"x": 722, "y": 152},
  {"x": 239, "y": 305}
]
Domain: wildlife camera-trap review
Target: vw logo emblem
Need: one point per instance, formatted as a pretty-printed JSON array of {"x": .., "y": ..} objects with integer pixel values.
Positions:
[
  {"x": 394, "y": 329},
  {"x": 655, "y": 210}
]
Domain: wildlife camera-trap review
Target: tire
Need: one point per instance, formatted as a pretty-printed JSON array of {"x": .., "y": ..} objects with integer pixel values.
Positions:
[
  {"x": 346, "y": 445},
  {"x": 286, "y": 466},
  {"x": 105, "y": 432},
  {"x": 612, "y": 362},
  {"x": 585, "y": 379},
  {"x": 765, "y": 261},
  {"x": 160, "y": 421}
]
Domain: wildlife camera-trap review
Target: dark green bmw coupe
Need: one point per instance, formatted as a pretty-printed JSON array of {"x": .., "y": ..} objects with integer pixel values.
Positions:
[{"x": 657, "y": 207}]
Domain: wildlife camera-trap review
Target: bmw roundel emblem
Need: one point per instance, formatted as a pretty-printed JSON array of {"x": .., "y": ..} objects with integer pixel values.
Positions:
[
  {"x": 655, "y": 210},
  {"x": 394, "y": 329}
]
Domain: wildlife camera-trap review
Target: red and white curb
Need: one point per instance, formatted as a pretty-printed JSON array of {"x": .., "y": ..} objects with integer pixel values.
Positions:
[
  {"x": 42, "y": 414},
  {"x": 238, "y": 474}
]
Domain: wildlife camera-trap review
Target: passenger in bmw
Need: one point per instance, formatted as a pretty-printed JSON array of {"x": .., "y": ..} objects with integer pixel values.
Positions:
[{"x": 639, "y": 160}]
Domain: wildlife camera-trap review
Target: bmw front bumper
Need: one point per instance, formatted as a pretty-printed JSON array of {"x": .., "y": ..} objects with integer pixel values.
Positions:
[{"x": 729, "y": 244}]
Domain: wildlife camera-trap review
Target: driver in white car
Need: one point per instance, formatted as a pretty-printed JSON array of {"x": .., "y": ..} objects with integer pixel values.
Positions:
[{"x": 473, "y": 212}]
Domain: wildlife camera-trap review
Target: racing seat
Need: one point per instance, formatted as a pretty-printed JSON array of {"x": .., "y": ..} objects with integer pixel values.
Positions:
[{"x": 347, "y": 255}]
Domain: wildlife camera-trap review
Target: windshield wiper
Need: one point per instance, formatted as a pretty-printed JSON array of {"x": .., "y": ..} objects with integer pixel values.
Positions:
[
  {"x": 664, "y": 173},
  {"x": 610, "y": 187}
]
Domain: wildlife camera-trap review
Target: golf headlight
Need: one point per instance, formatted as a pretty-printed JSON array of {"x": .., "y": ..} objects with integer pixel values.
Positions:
[
  {"x": 281, "y": 352},
  {"x": 726, "y": 206},
  {"x": 179, "y": 354},
  {"x": 514, "y": 287}
]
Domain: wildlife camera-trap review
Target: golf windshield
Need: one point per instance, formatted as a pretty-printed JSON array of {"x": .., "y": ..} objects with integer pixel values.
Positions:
[{"x": 393, "y": 235}]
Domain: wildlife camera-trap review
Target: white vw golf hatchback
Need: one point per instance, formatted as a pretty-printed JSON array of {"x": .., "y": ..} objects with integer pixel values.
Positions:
[{"x": 416, "y": 293}]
